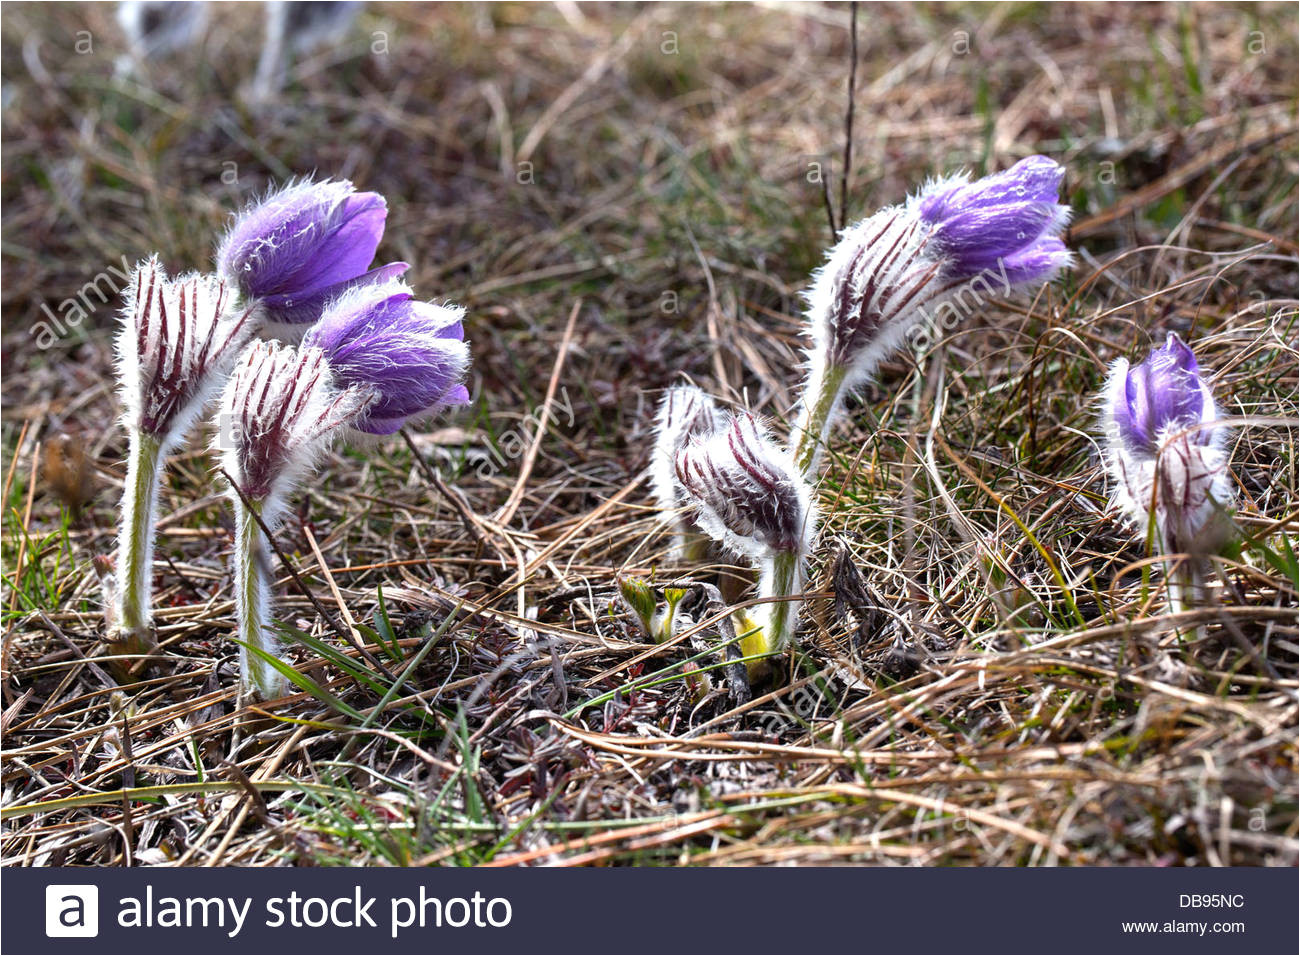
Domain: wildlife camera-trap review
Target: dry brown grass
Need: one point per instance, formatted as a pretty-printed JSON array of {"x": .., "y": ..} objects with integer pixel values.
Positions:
[{"x": 951, "y": 703}]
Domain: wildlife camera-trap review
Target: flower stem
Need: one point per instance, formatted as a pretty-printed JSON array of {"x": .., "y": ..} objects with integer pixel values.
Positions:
[
  {"x": 821, "y": 400},
  {"x": 134, "y": 592},
  {"x": 782, "y": 578},
  {"x": 251, "y": 603}
]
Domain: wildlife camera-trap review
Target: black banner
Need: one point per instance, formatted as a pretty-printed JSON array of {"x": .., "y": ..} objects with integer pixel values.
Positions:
[{"x": 850, "y": 910}]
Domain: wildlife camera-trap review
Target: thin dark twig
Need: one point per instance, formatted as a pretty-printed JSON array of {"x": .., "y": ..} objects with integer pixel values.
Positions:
[
  {"x": 343, "y": 633},
  {"x": 185, "y": 579},
  {"x": 830, "y": 208},
  {"x": 848, "y": 115},
  {"x": 94, "y": 668}
]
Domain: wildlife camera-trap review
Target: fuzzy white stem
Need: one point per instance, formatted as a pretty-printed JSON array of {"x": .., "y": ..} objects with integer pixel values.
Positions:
[
  {"x": 133, "y": 600},
  {"x": 823, "y": 396},
  {"x": 252, "y": 602},
  {"x": 781, "y": 575},
  {"x": 1186, "y": 583}
]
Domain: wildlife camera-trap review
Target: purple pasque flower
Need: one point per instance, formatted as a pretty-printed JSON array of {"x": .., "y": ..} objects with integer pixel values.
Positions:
[
  {"x": 889, "y": 270},
  {"x": 412, "y": 354},
  {"x": 1165, "y": 451},
  {"x": 304, "y": 245},
  {"x": 1162, "y": 392},
  {"x": 1010, "y": 218},
  {"x": 933, "y": 259},
  {"x": 746, "y": 492}
]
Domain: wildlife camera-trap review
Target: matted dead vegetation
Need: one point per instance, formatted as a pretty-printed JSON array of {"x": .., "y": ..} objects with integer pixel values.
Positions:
[{"x": 989, "y": 673}]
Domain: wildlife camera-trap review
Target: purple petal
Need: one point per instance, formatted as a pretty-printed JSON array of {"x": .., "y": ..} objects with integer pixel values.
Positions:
[
  {"x": 978, "y": 238},
  {"x": 1162, "y": 392},
  {"x": 273, "y": 238},
  {"x": 457, "y": 396},
  {"x": 344, "y": 244},
  {"x": 411, "y": 352},
  {"x": 374, "y": 425},
  {"x": 1038, "y": 263},
  {"x": 1035, "y": 179},
  {"x": 305, "y": 309}
]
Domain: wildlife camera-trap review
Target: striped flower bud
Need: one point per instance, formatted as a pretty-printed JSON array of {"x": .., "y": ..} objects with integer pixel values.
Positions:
[
  {"x": 745, "y": 491},
  {"x": 279, "y": 412},
  {"x": 950, "y": 245},
  {"x": 685, "y": 412},
  {"x": 749, "y": 496},
  {"x": 176, "y": 343},
  {"x": 177, "y": 340}
]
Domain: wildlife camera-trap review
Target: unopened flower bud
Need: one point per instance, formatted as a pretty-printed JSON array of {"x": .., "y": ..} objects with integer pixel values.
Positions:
[
  {"x": 952, "y": 244},
  {"x": 746, "y": 491},
  {"x": 685, "y": 412}
]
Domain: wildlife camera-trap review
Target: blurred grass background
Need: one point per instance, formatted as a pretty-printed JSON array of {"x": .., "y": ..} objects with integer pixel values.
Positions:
[{"x": 648, "y": 165}]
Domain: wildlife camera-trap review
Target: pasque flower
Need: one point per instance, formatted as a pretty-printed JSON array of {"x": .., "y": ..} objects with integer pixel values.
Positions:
[
  {"x": 1165, "y": 452},
  {"x": 279, "y": 411},
  {"x": 685, "y": 412},
  {"x": 885, "y": 277},
  {"x": 749, "y": 496},
  {"x": 413, "y": 354},
  {"x": 176, "y": 341},
  {"x": 302, "y": 246},
  {"x": 949, "y": 245}
]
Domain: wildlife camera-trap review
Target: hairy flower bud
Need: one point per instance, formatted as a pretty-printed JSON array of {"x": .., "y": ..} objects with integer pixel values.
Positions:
[
  {"x": 685, "y": 412},
  {"x": 749, "y": 496},
  {"x": 1163, "y": 392},
  {"x": 946, "y": 248},
  {"x": 746, "y": 492},
  {"x": 177, "y": 340},
  {"x": 279, "y": 411}
]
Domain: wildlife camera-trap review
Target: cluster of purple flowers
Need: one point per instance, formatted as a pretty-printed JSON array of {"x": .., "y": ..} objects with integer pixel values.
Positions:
[
  {"x": 886, "y": 277},
  {"x": 358, "y": 352}
]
